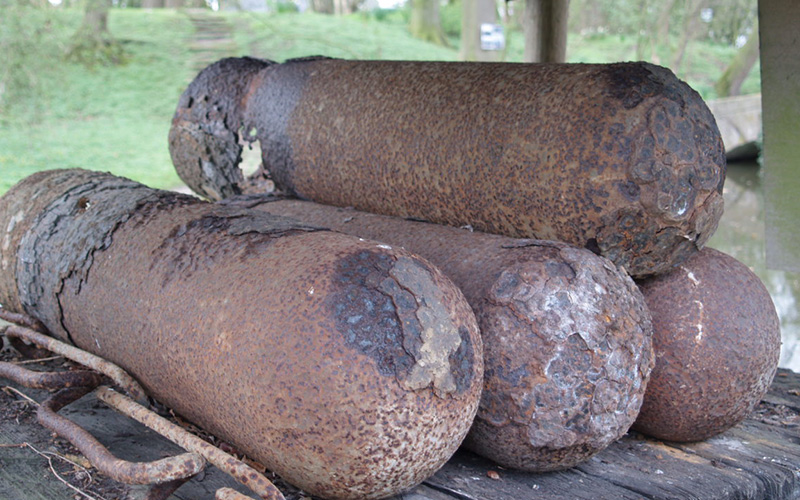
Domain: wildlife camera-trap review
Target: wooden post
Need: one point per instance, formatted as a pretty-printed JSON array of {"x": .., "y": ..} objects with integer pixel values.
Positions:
[
  {"x": 546, "y": 30},
  {"x": 780, "y": 94},
  {"x": 475, "y": 13}
]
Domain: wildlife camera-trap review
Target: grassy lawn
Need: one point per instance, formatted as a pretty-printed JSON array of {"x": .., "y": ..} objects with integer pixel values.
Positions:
[
  {"x": 358, "y": 36},
  {"x": 116, "y": 118},
  {"x": 113, "y": 119}
]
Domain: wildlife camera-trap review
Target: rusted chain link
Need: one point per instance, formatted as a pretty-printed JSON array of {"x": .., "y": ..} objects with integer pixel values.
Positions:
[
  {"x": 114, "y": 372},
  {"x": 30, "y": 351},
  {"x": 27, "y": 350},
  {"x": 74, "y": 385},
  {"x": 223, "y": 461}
]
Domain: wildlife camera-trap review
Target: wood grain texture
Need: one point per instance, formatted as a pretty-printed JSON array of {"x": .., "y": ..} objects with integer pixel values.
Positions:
[{"x": 758, "y": 459}]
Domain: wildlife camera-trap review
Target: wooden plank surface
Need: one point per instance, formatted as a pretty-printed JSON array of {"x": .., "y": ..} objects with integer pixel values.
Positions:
[{"x": 758, "y": 459}]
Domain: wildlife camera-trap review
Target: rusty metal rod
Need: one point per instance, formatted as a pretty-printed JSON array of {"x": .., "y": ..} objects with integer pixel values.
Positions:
[
  {"x": 350, "y": 369},
  {"x": 158, "y": 471},
  {"x": 223, "y": 461},
  {"x": 567, "y": 335},
  {"x": 624, "y": 159},
  {"x": 114, "y": 372},
  {"x": 48, "y": 380},
  {"x": 22, "y": 320},
  {"x": 161, "y": 472}
]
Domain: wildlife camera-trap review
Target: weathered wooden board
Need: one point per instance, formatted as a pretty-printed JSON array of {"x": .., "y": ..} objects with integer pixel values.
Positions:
[{"x": 758, "y": 459}]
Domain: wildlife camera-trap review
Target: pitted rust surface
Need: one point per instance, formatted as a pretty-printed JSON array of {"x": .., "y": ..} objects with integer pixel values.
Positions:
[
  {"x": 18, "y": 209},
  {"x": 624, "y": 159},
  {"x": 205, "y": 131},
  {"x": 575, "y": 382},
  {"x": 439, "y": 337},
  {"x": 567, "y": 336},
  {"x": 55, "y": 255},
  {"x": 419, "y": 338},
  {"x": 717, "y": 343},
  {"x": 243, "y": 340},
  {"x": 185, "y": 252}
]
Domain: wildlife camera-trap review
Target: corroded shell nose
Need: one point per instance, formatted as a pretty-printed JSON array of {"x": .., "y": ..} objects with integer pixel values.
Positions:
[{"x": 254, "y": 327}]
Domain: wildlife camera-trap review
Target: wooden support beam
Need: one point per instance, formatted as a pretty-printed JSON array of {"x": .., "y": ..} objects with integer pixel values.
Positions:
[
  {"x": 780, "y": 94},
  {"x": 546, "y": 30}
]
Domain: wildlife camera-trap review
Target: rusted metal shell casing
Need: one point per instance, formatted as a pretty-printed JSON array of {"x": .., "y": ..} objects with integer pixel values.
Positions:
[
  {"x": 717, "y": 343},
  {"x": 350, "y": 369},
  {"x": 624, "y": 159},
  {"x": 19, "y": 208},
  {"x": 567, "y": 336}
]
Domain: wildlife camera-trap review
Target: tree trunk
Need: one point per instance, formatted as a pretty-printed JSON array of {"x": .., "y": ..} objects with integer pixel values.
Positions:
[
  {"x": 153, "y": 4},
  {"x": 655, "y": 30},
  {"x": 340, "y": 7},
  {"x": 93, "y": 44},
  {"x": 174, "y": 4},
  {"x": 546, "y": 30},
  {"x": 322, "y": 6},
  {"x": 473, "y": 14},
  {"x": 690, "y": 26},
  {"x": 95, "y": 18},
  {"x": 730, "y": 83},
  {"x": 662, "y": 31},
  {"x": 425, "y": 23}
]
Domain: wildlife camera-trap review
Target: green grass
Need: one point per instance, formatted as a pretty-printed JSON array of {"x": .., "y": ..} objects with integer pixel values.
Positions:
[
  {"x": 117, "y": 118},
  {"x": 357, "y": 36},
  {"x": 113, "y": 119},
  {"x": 702, "y": 65}
]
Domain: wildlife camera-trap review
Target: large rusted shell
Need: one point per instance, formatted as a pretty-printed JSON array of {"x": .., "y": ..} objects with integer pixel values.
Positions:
[
  {"x": 717, "y": 343},
  {"x": 624, "y": 159},
  {"x": 350, "y": 369},
  {"x": 567, "y": 336}
]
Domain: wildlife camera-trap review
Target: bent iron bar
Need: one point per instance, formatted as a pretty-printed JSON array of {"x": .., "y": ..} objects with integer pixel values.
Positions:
[
  {"x": 115, "y": 373},
  {"x": 624, "y": 159},
  {"x": 252, "y": 327},
  {"x": 165, "y": 474}
]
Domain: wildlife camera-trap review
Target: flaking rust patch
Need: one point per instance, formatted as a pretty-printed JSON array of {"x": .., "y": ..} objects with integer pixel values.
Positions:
[{"x": 440, "y": 337}]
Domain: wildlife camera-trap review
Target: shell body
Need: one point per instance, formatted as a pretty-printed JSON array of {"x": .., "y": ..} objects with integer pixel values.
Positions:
[
  {"x": 567, "y": 335},
  {"x": 717, "y": 343},
  {"x": 256, "y": 328},
  {"x": 624, "y": 159}
]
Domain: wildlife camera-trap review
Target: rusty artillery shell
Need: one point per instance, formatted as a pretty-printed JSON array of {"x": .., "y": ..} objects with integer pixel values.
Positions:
[
  {"x": 717, "y": 343},
  {"x": 350, "y": 369},
  {"x": 566, "y": 334},
  {"x": 624, "y": 159}
]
